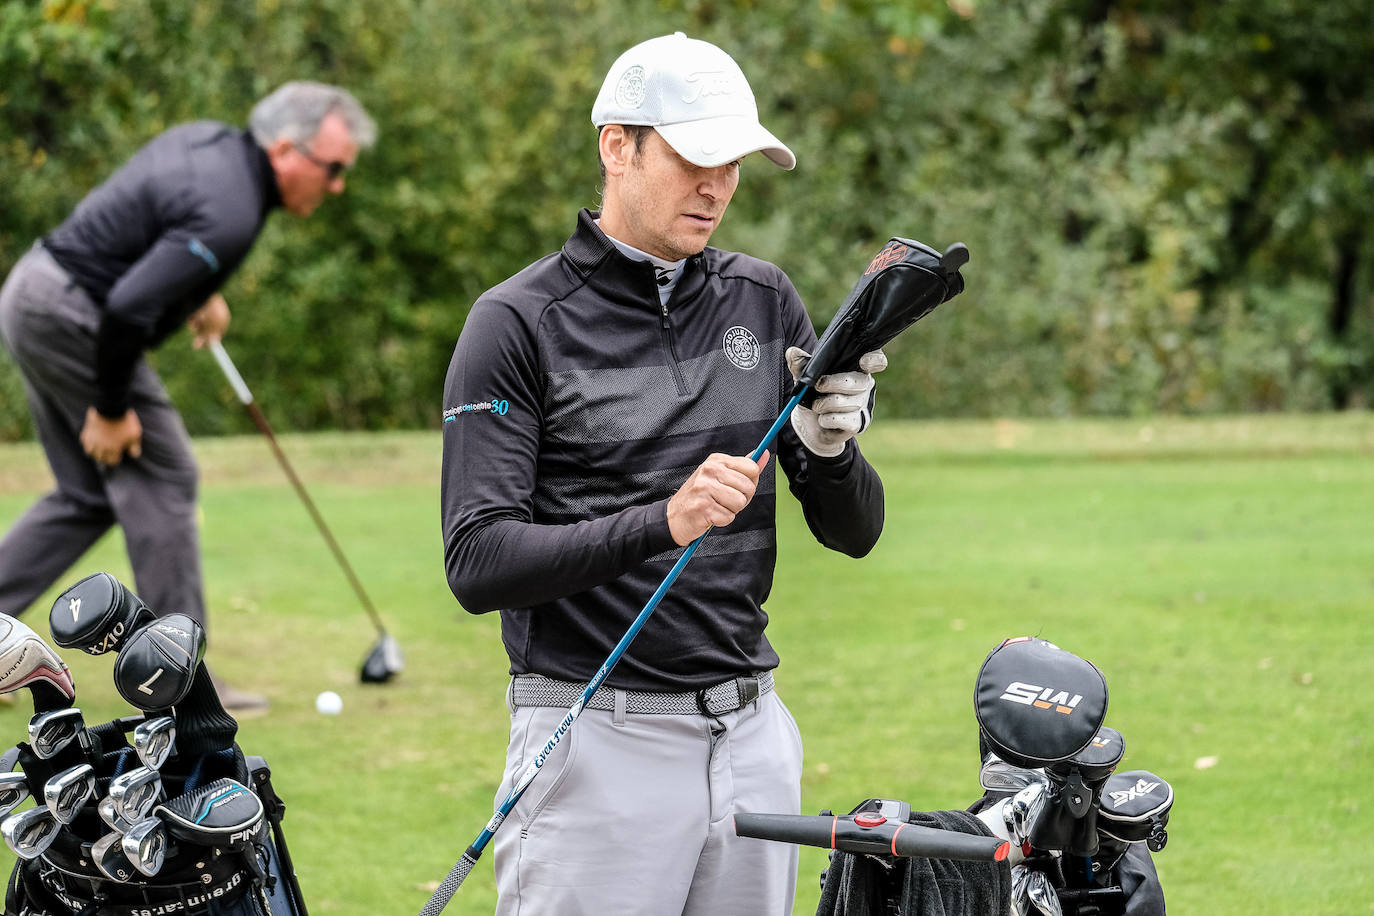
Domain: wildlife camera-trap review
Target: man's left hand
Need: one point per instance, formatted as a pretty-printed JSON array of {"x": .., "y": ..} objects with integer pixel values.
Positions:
[
  {"x": 209, "y": 323},
  {"x": 844, "y": 408}
]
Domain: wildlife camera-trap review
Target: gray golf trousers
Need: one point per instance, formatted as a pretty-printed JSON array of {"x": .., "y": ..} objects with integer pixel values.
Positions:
[
  {"x": 49, "y": 325},
  {"x": 632, "y": 814}
]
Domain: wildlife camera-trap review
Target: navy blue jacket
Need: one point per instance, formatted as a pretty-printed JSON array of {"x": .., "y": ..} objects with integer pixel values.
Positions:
[{"x": 575, "y": 406}]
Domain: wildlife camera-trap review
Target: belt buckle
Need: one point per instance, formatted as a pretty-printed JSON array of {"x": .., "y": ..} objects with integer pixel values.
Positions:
[{"x": 746, "y": 688}]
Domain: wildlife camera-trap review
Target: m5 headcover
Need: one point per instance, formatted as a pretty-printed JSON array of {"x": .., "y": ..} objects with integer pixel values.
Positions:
[{"x": 1038, "y": 704}]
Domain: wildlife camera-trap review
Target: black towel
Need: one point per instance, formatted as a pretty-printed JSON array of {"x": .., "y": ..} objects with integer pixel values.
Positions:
[{"x": 858, "y": 885}]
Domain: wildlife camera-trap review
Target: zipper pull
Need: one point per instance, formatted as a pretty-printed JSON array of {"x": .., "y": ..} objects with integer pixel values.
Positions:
[{"x": 666, "y": 325}]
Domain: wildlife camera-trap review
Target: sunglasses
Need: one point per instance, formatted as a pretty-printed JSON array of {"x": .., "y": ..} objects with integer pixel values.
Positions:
[{"x": 333, "y": 169}]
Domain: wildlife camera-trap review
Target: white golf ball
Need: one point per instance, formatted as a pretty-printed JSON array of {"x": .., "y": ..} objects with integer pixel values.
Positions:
[{"x": 329, "y": 703}]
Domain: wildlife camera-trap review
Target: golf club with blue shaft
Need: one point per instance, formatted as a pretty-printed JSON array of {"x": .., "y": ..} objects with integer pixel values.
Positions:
[{"x": 902, "y": 284}]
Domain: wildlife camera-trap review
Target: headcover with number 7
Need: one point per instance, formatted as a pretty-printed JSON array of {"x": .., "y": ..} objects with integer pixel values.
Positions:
[{"x": 902, "y": 284}]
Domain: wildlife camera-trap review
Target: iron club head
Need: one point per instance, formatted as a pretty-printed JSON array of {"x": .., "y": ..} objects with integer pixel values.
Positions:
[
  {"x": 67, "y": 792},
  {"x": 110, "y": 815},
  {"x": 145, "y": 845},
  {"x": 154, "y": 740},
  {"x": 29, "y": 833},
  {"x": 50, "y": 732},
  {"x": 109, "y": 857},
  {"x": 14, "y": 788},
  {"x": 1043, "y": 896},
  {"x": 135, "y": 793}
]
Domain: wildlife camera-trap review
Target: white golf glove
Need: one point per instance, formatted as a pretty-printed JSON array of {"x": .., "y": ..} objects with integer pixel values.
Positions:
[{"x": 844, "y": 408}]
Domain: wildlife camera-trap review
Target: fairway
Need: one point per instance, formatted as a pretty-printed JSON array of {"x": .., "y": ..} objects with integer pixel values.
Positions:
[{"x": 1219, "y": 571}]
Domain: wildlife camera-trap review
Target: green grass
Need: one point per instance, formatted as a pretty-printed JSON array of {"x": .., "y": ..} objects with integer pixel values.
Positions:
[{"x": 1219, "y": 572}]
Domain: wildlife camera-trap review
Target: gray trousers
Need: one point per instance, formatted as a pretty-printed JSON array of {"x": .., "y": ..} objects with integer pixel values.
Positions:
[
  {"x": 632, "y": 814},
  {"x": 49, "y": 324}
]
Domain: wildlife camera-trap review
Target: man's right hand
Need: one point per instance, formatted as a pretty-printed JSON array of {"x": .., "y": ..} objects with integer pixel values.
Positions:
[
  {"x": 107, "y": 440},
  {"x": 716, "y": 492}
]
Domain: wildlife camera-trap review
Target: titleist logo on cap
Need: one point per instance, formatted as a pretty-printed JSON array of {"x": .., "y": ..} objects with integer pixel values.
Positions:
[{"x": 708, "y": 83}]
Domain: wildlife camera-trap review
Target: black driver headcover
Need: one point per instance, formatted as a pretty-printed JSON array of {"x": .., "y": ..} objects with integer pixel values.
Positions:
[
  {"x": 903, "y": 283},
  {"x": 1038, "y": 704}
]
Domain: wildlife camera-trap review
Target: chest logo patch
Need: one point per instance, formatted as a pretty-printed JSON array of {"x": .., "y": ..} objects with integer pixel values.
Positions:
[{"x": 742, "y": 347}]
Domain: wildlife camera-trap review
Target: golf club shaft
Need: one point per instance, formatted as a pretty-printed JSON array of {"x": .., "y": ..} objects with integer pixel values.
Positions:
[
  {"x": 465, "y": 864},
  {"x": 246, "y": 398}
]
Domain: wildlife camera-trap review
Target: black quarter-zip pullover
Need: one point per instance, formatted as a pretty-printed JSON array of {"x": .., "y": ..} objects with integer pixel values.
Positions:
[
  {"x": 575, "y": 406},
  {"x": 161, "y": 235}
]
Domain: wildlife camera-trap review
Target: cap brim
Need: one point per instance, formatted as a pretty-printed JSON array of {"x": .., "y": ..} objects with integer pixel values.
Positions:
[{"x": 715, "y": 141}]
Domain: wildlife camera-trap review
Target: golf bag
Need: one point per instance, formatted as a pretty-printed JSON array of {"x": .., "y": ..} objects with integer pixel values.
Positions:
[
  {"x": 246, "y": 871},
  {"x": 179, "y": 821},
  {"x": 1078, "y": 837}
]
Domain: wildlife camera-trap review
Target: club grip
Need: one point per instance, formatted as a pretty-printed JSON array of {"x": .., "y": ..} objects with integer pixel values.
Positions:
[
  {"x": 454, "y": 880},
  {"x": 887, "y": 838}
]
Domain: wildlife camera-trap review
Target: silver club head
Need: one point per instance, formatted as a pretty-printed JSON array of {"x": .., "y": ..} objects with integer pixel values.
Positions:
[
  {"x": 14, "y": 788},
  {"x": 1043, "y": 895},
  {"x": 108, "y": 854},
  {"x": 50, "y": 732},
  {"x": 145, "y": 845},
  {"x": 66, "y": 793},
  {"x": 1025, "y": 810},
  {"x": 135, "y": 792},
  {"x": 154, "y": 740},
  {"x": 111, "y": 817},
  {"x": 997, "y": 775},
  {"x": 1020, "y": 898},
  {"x": 29, "y": 833}
]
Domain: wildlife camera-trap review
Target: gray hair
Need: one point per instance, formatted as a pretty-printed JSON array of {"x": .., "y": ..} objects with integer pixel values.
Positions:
[{"x": 294, "y": 112}]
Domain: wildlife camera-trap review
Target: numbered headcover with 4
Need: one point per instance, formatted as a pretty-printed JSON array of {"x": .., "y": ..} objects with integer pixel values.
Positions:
[{"x": 160, "y": 811}]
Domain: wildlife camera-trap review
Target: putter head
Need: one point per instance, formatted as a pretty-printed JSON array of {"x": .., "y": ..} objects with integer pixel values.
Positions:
[
  {"x": 29, "y": 833},
  {"x": 96, "y": 615},
  {"x": 155, "y": 740},
  {"x": 223, "y": 813},
  {"x": 383, "y": 663},
  {"x": 157, "y": 665},
  {"x": 108, "y": 855},
  {"x": 145, "y": 845},
  {"x": 135, "y": 792},
  {"x": 14, "y": 788},
  {"x": 50, "y": 732},
  {"x": 67, "y": 792},
  {"x": 27, "y": 661},
  {"x": 902, "y": 284}
]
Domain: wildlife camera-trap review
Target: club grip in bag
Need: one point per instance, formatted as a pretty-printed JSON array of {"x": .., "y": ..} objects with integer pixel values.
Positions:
[{"x": 885, "y": 838}]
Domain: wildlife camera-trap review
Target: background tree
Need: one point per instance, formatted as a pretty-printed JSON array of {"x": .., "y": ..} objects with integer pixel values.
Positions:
[{"x": 1167, "y": 203}]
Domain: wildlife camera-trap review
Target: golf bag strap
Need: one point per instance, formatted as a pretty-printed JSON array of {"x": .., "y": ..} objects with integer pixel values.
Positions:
[{"x": 725, "y": 697}]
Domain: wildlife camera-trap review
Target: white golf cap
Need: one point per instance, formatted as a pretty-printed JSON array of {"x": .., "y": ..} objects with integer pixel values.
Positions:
[{"x": 694, "y": 95}]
